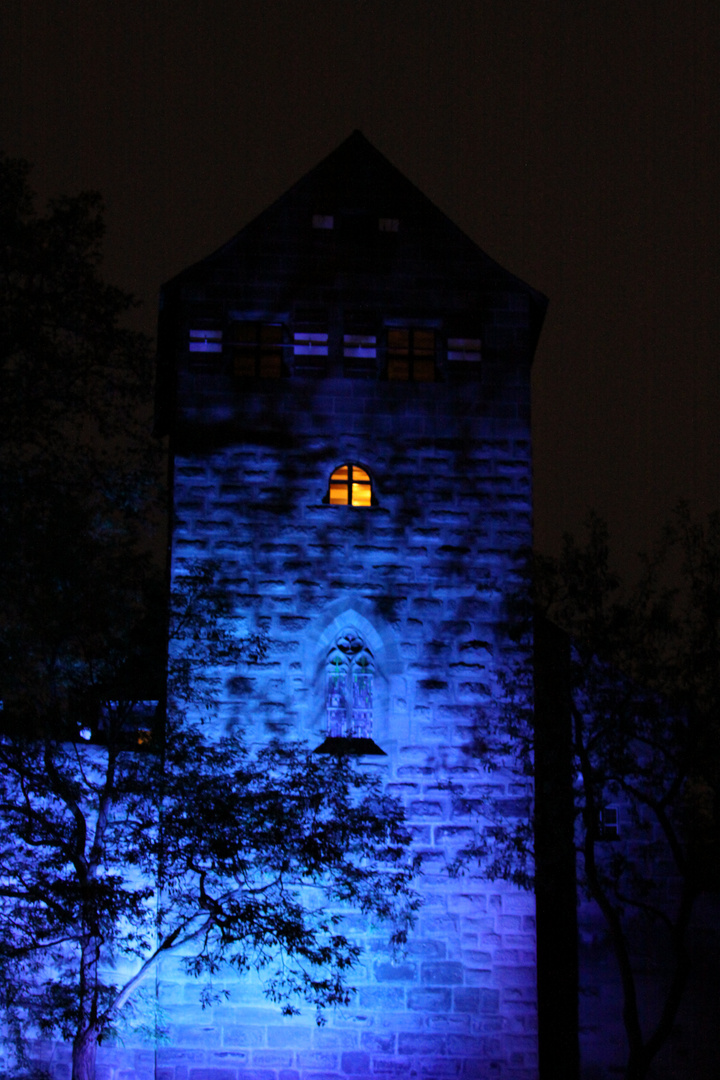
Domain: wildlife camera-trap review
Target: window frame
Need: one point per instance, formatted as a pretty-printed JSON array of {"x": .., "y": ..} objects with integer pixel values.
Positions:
[
  {"x": 359, "y": 352},
  {"x": 463, "y": 354},
  {"x": 608, "y": 824},
  {"x": 255, "y": 349},
  {"x": 350, "y": 483},
  {"x": 205, "y": 339},
  {"x": 413, "y": 354}
]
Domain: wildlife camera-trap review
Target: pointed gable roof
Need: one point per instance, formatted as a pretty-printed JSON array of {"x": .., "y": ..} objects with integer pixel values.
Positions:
[
  {"x": 357, "y": 178},
  {"x": 278, "y": 260}
]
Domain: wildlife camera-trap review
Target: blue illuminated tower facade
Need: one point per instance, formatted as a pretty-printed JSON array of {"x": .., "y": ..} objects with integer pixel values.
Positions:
[{"x": 346, "y": 385}]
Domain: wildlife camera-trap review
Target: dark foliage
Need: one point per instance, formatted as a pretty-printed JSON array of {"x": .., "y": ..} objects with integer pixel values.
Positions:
[
  {"x": 643, "y": 702},
  {"x": 130, "y": 829}
]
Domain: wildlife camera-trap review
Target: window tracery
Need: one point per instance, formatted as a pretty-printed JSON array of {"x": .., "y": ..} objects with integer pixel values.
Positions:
[{"x": 349, "y": 701}]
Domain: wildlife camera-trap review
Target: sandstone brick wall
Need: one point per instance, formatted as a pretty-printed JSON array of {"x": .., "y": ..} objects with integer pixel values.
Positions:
[{"x": 420, "y": 576}]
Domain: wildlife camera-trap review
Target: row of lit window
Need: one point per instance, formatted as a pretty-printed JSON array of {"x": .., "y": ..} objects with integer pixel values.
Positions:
[{"x": 257, "y": 349}]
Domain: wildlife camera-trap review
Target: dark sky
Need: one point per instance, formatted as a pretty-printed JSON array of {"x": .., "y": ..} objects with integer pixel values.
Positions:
[{"x": 576, "y": 141}]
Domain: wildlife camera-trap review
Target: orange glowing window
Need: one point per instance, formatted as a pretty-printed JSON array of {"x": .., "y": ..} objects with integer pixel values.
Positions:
[
  {"x": 411, "y": 354},
  {"x": 350, "y": 486}
]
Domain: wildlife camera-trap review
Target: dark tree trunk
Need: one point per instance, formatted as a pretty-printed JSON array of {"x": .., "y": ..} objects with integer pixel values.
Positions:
[
  {"x": 84, "y": 1054},
  {"x": 555, "y": 871},
  {"x": 85, "y": 1042}
]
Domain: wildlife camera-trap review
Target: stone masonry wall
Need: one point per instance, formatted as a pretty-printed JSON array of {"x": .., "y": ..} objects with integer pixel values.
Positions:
[{"x": 421, "y": 577}]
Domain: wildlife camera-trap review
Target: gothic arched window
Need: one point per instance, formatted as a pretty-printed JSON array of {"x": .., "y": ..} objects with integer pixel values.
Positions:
[
  {"x": 349, "y": 701},
  {"x": 349, "y": 675},
  {"x": 350, "y": 485}
]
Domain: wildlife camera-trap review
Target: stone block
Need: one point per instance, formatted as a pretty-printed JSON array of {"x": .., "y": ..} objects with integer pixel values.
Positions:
[
  {"x": 513, "y": 808},
  {"x": 229, "y": 1057},
  {"x": 392, "y": 1066},
  {"x": 293, "y": 622},
  {"x": 412, "y": 1042},
  {"x": 467, "y": 1046},
  {"x": 395, "y": 972},
  {"x": 434, "y": 734},
  {"x": 466, "y": 999},
  {"x": 466, "y": 903},
  {"x": 522, "y": 941},
  {"x": 522, "y": 903},
  {"x": 429, "y": 949},
  {"x": 438, "y": 924},
  {"x": 317, "y": 1059},
  {"x": 484, "y": 1001},
  {"x": 331, "y": 1039},
  {"x": 375, "y": 1043},
  {"x": 380, "y": 997},
  {"x": 242, "y": 1036},
  {"x": 253, "y": 1074},
  {"x": 453, "y": 834},
  {"x": 515, "y": 976},
  {"x": 436, "y": 1067},
  {"x": 476, "y": 958},
  {"x": 322, "y": 1076},
  {"x": 479, "y": 977},
  {"x": 173, "y": 1058},
  {"x": 430, "y": 999},
  {"x": 426, "y": 809},
  {"x": 355, "y": 1062},
  {"x": 205, "y": 1036},
  {"x": 403, "y": 790},
  {"x": 485, "y": 1069},
  {"x": 441, "y": 973},
  {"x": 213, "y": 1074},
  {"x": 293, "y": 1036},
  {"x": 273, "y": 1059}
]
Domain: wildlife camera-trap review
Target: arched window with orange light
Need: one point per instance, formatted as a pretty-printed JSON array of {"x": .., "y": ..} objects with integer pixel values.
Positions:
[{"x": 350, "y": 485}]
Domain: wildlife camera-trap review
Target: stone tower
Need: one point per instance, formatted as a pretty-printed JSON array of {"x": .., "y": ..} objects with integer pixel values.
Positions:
[{"x": 346, "y": 386}]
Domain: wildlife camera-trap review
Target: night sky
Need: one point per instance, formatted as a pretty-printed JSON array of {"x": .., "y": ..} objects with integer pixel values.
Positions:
[{"x": 576, "y": 141}]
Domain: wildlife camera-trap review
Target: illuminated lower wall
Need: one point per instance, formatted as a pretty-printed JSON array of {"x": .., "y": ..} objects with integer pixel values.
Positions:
[{"x": 418, "y": 579}]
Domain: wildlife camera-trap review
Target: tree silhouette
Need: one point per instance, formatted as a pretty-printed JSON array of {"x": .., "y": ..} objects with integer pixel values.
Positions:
[
  {"x": 640, "y": 697},
  {"x": 132, "y": 826}
]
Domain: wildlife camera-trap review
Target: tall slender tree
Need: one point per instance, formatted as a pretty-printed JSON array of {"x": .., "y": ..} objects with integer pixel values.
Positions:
[
  {"x": 642, "y": 704},
  {"x": 129, "y": 829}
]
